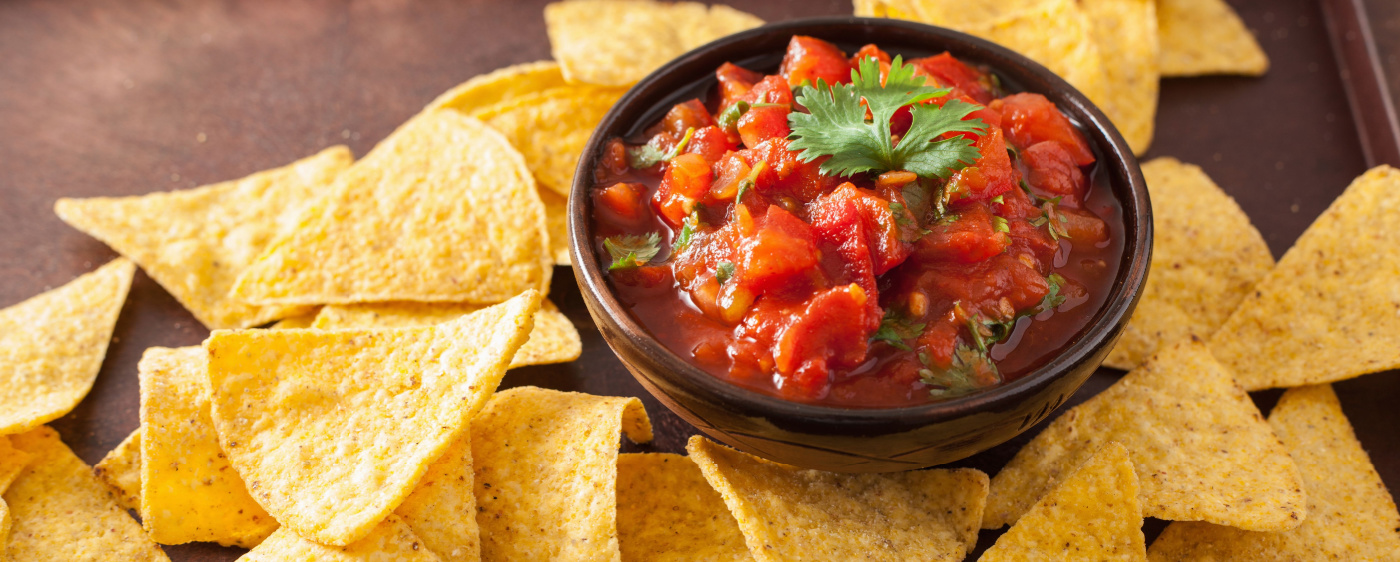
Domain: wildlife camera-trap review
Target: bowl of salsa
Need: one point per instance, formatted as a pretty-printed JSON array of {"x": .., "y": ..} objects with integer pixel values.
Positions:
[{"x": 857, "y": 244}]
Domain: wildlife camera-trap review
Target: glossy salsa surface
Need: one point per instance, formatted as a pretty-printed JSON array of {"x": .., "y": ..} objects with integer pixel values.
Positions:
[{"x": 862, "y": 290}]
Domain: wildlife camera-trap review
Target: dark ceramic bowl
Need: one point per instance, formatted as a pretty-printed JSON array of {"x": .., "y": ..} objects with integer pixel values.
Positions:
[{"x": 842, "y": 439}]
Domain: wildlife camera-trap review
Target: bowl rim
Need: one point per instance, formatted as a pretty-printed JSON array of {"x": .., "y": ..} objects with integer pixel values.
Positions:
[{"x": 1102, "y": 329}]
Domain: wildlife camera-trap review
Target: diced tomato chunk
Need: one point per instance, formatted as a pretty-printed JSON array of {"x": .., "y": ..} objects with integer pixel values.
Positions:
[
  {"x": 784, "y": 248},
  {"x": 952, "y": 73},
  {"x": 687, "y": 180},
  {"x": 1030, "y": 118},
  {"x": 734, "y": 82},
  {"x": 710, "y": 142},
  {"x": 772, "y": 89},
  {"x": 832, "y": 332},
  {"x": 1053, "y": 172},
  {"x": 809, "y": 59},
  {"x": 869, "y": 50},
  {"x": 621, "y": 203},
  {"x": 1083, "y": 227},
  {"x": 990, "y": 176},
  {"x": 762, "y": 123},
  {"x": 613, "y": 162},
  {"x": 853, "y": 212},
  {"x": 686, "y": 115},
  {"x": 971, "y": 238}
]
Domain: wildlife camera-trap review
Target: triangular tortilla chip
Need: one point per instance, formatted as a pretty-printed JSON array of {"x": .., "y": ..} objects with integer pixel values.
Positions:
[
  {"x": 1206, "y": 256},
  {"x": 583, "y": 36},
  {"x": 667, "y": 512},
  {"x": 1094, "y": 514},
  {"x": 188, "y": 490},
  {"x": 788, "y": 513},
  {"x": 391, "y": 539},
  {"x": 1330, "y": 310},
  {"x": 1351, "y": 515},
  {"x": 1126, "y": 32},
  {"x": 52, "y": 345},
  {"x": 196, "y": 242},
  {"x": 61, "y": 512},
  {"x": 443, "y": 210},
  {"x": 499, "y": 86},
  {"x": 554, "y": 339},
  {"x": 442, "y": 509},
  {"x": 298, "y": 322},
  {"x": 12, "y": 461},
  {"x": 556, "y": 216},
  {"x": 550, "y": 128},
  {"x": 953, "y": 14},
  {"x": 331, "y": 429},
  {"x": 546, "y": 473},
  {"x": 1201, "y": 448},
  {"x": 120, "y": 470},
  {"x": 1206, "y": 37}
]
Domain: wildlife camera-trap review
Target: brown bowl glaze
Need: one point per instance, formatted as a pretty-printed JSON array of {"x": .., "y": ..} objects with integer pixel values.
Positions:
[{"x": 847, "y": 439}]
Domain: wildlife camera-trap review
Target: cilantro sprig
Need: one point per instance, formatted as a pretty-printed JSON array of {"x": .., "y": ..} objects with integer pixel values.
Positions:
[
  {"x": 895, "y": 328},
  {"x": 648, "y": 155},
  {"x": 836, "y": 125},
  {"x": 630, "y": 250}
]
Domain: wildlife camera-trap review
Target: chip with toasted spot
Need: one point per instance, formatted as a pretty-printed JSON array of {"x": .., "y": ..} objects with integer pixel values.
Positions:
[
  {"x": 12, "y": 461},
  {"x": 1202, "y": 450},
  {"x": 1206, "y": 256},
  {"x": 332, "y": 429},
  {"x": 196, "y": 242},
  {"x": 583, "y": 35},
  {"x": 297, "y": 322},
  {"x": 499, "y": 86},
  {"x": 1206, "y": 37},
  {"x": 443, "y": 210},
  {"x": 1094, "y": 514},
  {"x": 1126, "y": 32},
  {"x": 667, "y": 512},
  {"x": 120, "y": 470},
  {"x": 788, "y": 513},
  {"x": 52, "y": 345},
  {"x": 1351, "y": 515},
  {"x": 61, "y": 512},
  {"x": 391, "y": 539},
  {"x": 1330, "y": 310},
  {"x": 188, "y": 490},
  {"x": 441, "y": 510},
  {"x": 546, "y": 473},
  {"x": 556, "y": 217},
  {"x": 551, "y": 127}
]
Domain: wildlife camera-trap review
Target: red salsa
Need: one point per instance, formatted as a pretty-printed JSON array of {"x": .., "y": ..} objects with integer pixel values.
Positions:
[{"x": 859, "y": 231}]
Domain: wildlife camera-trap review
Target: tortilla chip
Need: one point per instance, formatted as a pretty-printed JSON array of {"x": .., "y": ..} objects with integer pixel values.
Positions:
[
  {"x": 298, "y": 322},
  {"x": 550, "y": 128},
  {"x": 196, "y": 242},
  {"x": 331, "y": 430},
  {"x": 391, "y": 539},
  {"x": 120, "y": 470},
  {"x": 61, "y": 512},
  {"x": 953, "y": 14},
  {"x": 1351, "y": 515},
  {"x": 188, "y": 490},
  {"x": 584, "y": 36},
  {"x": 1093, "y": 514},
  {"x": 554, "y": 339},
  {"x": 787, "y": 513},
  {"x": 441, "y": 510},
  {"x": 443, "y": 210},
  {"x": 12, "y": 461},
  {"x": 546, "y": 473},
  {"x": 52, "y": 345},
  {"x": 1206, "y": 256},
  {"x": 1201, "y": 448},
  {"x": 1330, "y": 310},
  {"x": 1206, "y": 37},
  {"x": 1126, "y": 32},
  {"x": 666, "y": 512},
  {"x": 556, "y": 217},
  {"x": 500, "y": 86}
]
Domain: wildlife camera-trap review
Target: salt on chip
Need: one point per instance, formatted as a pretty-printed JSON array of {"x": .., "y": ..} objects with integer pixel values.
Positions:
[
  {"x": 584, "y": 36},
  {"x": 1206, "y": 256},
  {"x": 52, "y": 346},
  {"x": 61, "y": 512},
  {"x": 1351, "y": 515},
  {"x": 332, "y": 429},
  {"x": 12, "y": 461},
  {"x": 553, "y": 340},
  {"x": 546, "y": 473},
  {"x": 788, "y": 513},
  {"x": 1126, "y": 32},
  {"x": 1330, "y": 310},
  {"x": 500, "y": 86},
  {"x": 442, "y": 210},
  {"x": 188, "y": 490},
  {"x": 667, "y": 512},
  {"x": 120, "y": 470},
  {"x": 550, "y": 128},
  {"x": 442, "y": 508},
  {"x": 196, "y": 242},
  {"x": 391, "y": 539},
  {"x": 1094, "y": 514},
  {"x": 1202, "y": 450},
  {"x": 1206, "y": 37},
  {"x": 556, "y": 217}
]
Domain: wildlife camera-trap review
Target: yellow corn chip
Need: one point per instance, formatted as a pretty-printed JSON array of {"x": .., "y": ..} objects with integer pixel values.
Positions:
[
  {"x": 1206, "y": 256},
  {"x": 1351, "y": 516},
  {"x": 196, "y": 242},
  {"x": 188, "y": 490},
  {"x": 584, "y": 36},
  {"x": 12, "y": 461},
  {"x": 554, "y": 339},
  {"x": 61, "y": 512},
  {"x": 390, "y": 540},
  {"x": 953, "y": 14},
  {"x": 441, "y": 210},
  {"x": 787, "y": 513},
  {"x": 1330, "y": 310},
  {"x": 1206, "y": 37},
  {"x": 1202, "y": 451},
  {"x": 52, "y": 345},
  {"x": 666, "y": 512},
  {"x": 331, "y": 430},
  {"x": 297, "y": 322},
  {"x": 1126, "y": 32},
  {"x": 556, "y": 217},
  {"x": 546, "y": 473},
  {"x": 551, "y": 127},
  {"x": 500, "y": 86},
  {"x": 442, "y": 509},
  {"x": 120, "y": 470},
  {"x": 1093, "y": 514}
]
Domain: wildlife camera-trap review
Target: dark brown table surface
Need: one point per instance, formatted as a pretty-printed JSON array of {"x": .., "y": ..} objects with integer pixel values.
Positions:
[{"x": 108, "y": 98}]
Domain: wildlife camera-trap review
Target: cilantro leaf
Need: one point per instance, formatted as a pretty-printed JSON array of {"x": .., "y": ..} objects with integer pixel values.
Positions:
[
  {"x": 724, "y": 271},
  {"x": 648, "y": 155},
  {"x": 894, "y": 329},
  {"x": 688, "y": 228},
  {"x": 729, "y": 118},
  {"x": 630, "y": 250},
  {"x": 1053, "y": 298}
]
